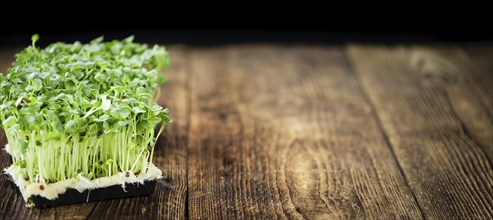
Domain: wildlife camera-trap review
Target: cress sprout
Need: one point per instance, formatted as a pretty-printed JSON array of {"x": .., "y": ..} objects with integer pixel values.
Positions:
[{"x": 83, "y": 109}]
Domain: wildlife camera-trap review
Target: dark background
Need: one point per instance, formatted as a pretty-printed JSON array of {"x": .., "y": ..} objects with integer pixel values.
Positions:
[
  {"x": 192, "y": 23},
  {"x": 208, "y": 36}
]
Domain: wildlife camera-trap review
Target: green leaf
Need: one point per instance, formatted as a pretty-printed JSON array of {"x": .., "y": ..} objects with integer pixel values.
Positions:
[
  {"x": 137, "y": 110},
  {"x": 99, "y": 77},
  {"x": 154, "y": 120},
  {"x": 9, "y": 121},
  {"x": 97, "y": 40},
  {"x": 37, "y": 84},
  {"x": 34, "y": 39},
  {"x": 120, "y": 124},
  {"x": 144, "y": 125},
  {"x": 5, "y": 105},
  {"x": 105, "y": 103},
  {"x": 129, "y": 39},
  {"x": 165, "y": 118},
  {"x": 71, "y": 126},
  {"x": 18, "y": 101},
  {"x": 102, "y": 118},
  {"x": 120, "y": 113}
]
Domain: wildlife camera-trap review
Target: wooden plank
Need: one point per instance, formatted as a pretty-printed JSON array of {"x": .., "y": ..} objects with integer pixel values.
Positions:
[
  {"x": 285, "y": 132},
  {"x": 169, "y": 198},
  {"x": 467, "y": 78},
  {"x": 428, "y": 105},
  {"x": 479, "y": 57}
]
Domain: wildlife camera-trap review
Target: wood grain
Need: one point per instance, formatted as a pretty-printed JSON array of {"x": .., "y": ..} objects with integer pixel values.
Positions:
[
  {"x": 285, "y": 132},
  {"x": 467, "y": 78},
  {"x": 429, "y": 102},
  {"x": 169, "y": 198}
]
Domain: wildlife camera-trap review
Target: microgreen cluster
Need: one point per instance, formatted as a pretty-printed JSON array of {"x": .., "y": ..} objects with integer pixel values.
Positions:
[{"x": 83, "y": 109}]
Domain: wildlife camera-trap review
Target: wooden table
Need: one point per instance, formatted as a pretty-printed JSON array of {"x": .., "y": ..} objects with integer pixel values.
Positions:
[{"x": 316, "y": 132}]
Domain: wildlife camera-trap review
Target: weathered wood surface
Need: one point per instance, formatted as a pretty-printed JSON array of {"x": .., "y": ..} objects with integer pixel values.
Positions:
[
  {"x": 435, "y": 107},
  {"x": 315, "y": 132}
]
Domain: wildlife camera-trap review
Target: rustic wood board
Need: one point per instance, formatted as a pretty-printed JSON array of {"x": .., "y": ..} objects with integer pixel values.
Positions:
[
  {"x": 429, "y": 102},
  {"x": 315, "y": 132},
  {"x": 287, "y": 133}
]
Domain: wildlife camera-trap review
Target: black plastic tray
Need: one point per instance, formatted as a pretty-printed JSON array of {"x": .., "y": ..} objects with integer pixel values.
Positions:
[{"x": 72, "y": 196}]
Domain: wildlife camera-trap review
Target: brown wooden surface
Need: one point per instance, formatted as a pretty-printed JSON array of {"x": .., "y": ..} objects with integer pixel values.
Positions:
[{"x": 315, "y": 132}]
